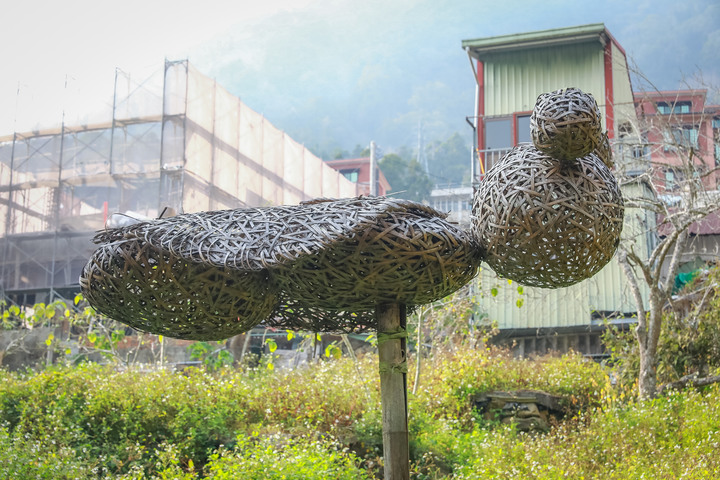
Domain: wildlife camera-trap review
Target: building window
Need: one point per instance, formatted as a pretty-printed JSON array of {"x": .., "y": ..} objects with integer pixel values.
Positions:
[
  {"x": 639, "y": 151},
  {"x": 350, "y": 174},
  {"x": 686, "y": 136},
  {"x": 624, "y": 129},
  {"x": 498, "y": 133},
  {"x": 666, "y": 108},
  {"x": 523, "y": 128},
  {"x": 674, "y": 178},
  {"x": 669, "y": 179}
]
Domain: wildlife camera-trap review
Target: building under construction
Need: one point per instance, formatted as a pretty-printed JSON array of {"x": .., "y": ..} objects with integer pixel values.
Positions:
[{"x": 175, "y": 141}]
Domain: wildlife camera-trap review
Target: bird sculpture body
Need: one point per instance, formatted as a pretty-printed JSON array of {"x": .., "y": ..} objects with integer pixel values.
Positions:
[{"x": 549, "y": 214}]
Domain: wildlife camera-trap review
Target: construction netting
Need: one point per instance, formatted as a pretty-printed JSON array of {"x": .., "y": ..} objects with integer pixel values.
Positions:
[{"x": 172, "y": 139}]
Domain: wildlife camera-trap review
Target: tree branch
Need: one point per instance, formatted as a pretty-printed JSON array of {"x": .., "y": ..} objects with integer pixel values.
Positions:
[
  {"x": 634, "y": 286},
  {"x": 691, "y": 380},
  {"x": 643, "y": 266},
  {"x": 674, "y": 263}
]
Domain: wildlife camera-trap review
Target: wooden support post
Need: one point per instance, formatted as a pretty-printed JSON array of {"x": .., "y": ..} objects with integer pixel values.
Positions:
[{"x": 392, "y": 350}]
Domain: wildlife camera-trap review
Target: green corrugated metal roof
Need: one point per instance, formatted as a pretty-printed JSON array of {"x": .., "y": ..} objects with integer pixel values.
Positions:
[{"x": 557, "y": 36}]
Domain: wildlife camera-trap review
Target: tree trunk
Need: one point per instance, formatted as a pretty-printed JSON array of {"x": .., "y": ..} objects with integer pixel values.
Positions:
[
  {"x": 648, "y": 335},
  {"x": 647, "y": 380}
]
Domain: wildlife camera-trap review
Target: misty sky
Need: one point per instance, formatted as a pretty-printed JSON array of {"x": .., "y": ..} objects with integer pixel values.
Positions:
[{"x": 332, "y": 73}]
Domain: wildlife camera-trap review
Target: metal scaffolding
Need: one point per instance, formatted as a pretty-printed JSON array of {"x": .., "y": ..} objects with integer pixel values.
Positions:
[{"x": 173, "y": 140}]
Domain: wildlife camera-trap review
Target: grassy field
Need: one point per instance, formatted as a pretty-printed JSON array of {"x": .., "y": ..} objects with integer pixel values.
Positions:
[{"x": 322, "y": 421}]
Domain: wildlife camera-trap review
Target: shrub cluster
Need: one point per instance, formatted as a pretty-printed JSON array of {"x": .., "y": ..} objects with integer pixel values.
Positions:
[
  {"x": 323, "y": 421},
  {"x": 689, "y": 342}
]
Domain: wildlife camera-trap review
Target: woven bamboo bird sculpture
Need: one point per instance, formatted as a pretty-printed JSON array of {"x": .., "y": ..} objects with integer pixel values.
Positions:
[{"x": 549, "y": 214}]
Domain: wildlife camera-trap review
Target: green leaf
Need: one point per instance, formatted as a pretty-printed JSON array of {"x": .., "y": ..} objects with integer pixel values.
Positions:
[
  {"x": 520, "y": 289},
  {"x": 91, "y": 337},
  {"x": 494, "y": 291},
  {"x": 116, "y": 336},
  {"x": 49, "y": 340},
  {"x": 78, "y": 298},
  {"x": 333, "y": 351},
  {"x": 160, "y": 338},
  {"x": 272, "y": 345},
  {"x": 290, "y": 334},
  {"x": 519, "y": 302}
]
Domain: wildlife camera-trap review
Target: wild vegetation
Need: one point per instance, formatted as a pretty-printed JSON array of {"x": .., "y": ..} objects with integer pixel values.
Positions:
[
  {"x": 94, "y": 421},
  {"x": 81, "y": 419},
  {"x": 323, "y": 421}
]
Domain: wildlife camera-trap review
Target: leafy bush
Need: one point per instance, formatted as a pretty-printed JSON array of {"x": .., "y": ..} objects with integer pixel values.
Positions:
[
  {"x": 91, "y": 336},
  {"x": 28, "y": 458},
  {"x": 689, "y": 339},
  {"x": 212, "y": 354},
  {"x": 456, "y": 376},
  {"x": 119, "y": 418},
  {"x": 671, "y": 437},
  {"x": 324, "y": 421},
  {"x": 287, "y": 459}
]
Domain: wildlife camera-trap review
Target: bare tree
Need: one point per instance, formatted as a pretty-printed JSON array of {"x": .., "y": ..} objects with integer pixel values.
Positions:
[{"x": 671, "y": 151}]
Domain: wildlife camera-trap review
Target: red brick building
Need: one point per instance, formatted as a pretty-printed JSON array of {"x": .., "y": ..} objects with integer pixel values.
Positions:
[
  {"x": 674, "y": 123},
  {"x": 358, "y": 170},
  {"x": 676, "y": 126}
]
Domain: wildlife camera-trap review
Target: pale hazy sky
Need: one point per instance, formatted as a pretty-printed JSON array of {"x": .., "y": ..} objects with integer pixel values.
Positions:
[
  {"x": 44, "y": 44},
  {"x": 323, "y": 70},
  {"x": 81, "y": 37}
]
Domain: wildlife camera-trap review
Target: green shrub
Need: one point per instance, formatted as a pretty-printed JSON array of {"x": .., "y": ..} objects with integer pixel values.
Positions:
[
  {"x": 275, "y": 457},
  {"x": 23, "y": 457},
  {"x": 455, "y": 377},
  {"x": 92, "y": 421},
  {"x": 671, "y": 437},
  {"x": 120, "y": 418},
  {"x": 689, "y": 340}
]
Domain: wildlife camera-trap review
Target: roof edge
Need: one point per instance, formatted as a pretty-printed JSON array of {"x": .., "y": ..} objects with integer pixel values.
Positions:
[{"x": 557, "y": 36}]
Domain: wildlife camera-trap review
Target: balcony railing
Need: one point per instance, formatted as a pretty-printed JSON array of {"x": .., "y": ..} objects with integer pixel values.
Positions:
[{"x": 486, "y": 159}]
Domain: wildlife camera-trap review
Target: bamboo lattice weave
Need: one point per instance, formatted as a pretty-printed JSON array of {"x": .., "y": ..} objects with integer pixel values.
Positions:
[
  {"x": 545, "y": 223},
  {"x": 549, "y": 214},
  {"x": 322, "y": 265},
  {"x": 604, "y": 151},
  {"x": 133, "y": 282},
  {"x": 403, "y": 257},
  {"x": 565, "y": 124},
  {"x": 258, "y": 238}
]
